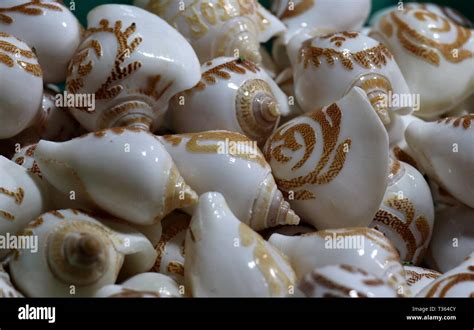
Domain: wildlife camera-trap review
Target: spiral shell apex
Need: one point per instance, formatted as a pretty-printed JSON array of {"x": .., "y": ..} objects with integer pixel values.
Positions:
[
  {"x": 229, "y": 163},
  {"x": 76, "y": 251},
  {"x": 244, "y": 99}
]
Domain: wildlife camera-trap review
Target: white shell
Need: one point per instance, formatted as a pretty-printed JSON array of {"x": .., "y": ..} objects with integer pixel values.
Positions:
[
  {"x": 48, "y": 27},
  {"x": 124, "y": 171},
  {"x": 234, "y": 95},
  {"x": 23, "y": 197},
  {"x": 133, "y": 62},
  {"x": 430, "y": 46},
  {"x": 34, "y": 272},
  {"x": 324, "y": 159},
  {"x": 406, "y": 215},
  {"x": 170, "y": 248},
  {"x": 326, "y": 67},
  {"x": 220, "y": 27},
  {"x": 344, "y": 281},
  {"x": 7, "y": 290},
  {"x": 364, "y": 248},
  {"x": 444, "y": 150},
  {"x": 453, "y": 237},
  {"x": 418, "y": 278},
  {"x": 231, "y": 164},
  {"x": 458, "y": 282},
  {"x": 398, "y": 147},
  {"x": 341, "y": 15},
  {"x": 146, "y": 285},
  {"x": 225, "y": 258},
  {"x": 18, "y": 68},
  {"x": 286, "y": 83}
]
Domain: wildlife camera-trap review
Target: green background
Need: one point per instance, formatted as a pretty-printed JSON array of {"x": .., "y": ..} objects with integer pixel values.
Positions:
[{"x": 466, "y": 7}]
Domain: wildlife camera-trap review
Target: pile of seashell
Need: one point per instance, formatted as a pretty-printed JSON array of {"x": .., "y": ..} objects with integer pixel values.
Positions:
[{"x": 183, "y": 159}]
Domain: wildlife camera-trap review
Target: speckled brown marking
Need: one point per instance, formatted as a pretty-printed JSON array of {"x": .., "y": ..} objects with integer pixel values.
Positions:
[
  {"x": 413, "y": 277},
  {"x": 9, "y": 48},
  {"x": 151, "y": 88},
  {"x": 26, "y": 9},
  {"x": 425, "y": 47},
  {"x": 7, "y": 215},
  {"x": 57, "y": 214},
  {"x": 376, "y": 56},
  {"x": 169, "y": 232},
  {"x": 339, "y": 38},
  {"x": 221, "y": 71},
  {"x": 386, "y": 27},
  {"x": 448, "y": 283},
  {"x": 402, "y": 228},
  {"x": 331, "y": 285},
  {"x": 20, "y": 160},
  {"x": 401, "y": 155},
  {"x": 18, "y": 195},
  {"x": 330, "y": 134},
  {"x": 175, "y": 267},
  {"x": 352, "y": 269},
  {"x": 456, "y": 121},
  {"x": 30, "y": 152},
  {"x": 173, "y": 139},
  {"x": 373, "y": 282},
  {"x": 36, "y": 223}
]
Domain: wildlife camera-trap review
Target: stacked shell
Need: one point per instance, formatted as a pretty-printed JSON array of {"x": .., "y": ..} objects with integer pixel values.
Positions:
[
  {"x": 234, "y": 95},
  {"x": 230, "y": 163}
]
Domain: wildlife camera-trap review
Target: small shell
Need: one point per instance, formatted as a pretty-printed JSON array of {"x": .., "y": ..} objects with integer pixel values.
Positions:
[
  {"x": 327, "y": 67},
  {"x": 124, "y": 171},
  {"x": 23, "y": 197},
  {"x": 456, "y": 283},
  {"x": 232, "y": 164},
  {"x": 146, "y": 285},
  {"x": 216, "y": 28},
  {"x": 418, "y": 278},
  {"x": 7, "y": 290},
  {"x": 18, "y": 68},
  {"x": 131, "y": 70},
  {"x": 225, "y": 258},
  {"x": 453, "y": 237},
  {"x": 344, "y": 281},
  {"x": 363, "y": 248},
  {"x": 431, "y": 46},
  {"x": 320, "y": 161},
  {"x": 170, "y": 248},
  {"x": 341, "y": 15},
  {"x": 445, "y": 152},
  {"x": 406, "y": 215},
  {"x": 48, "y": 27},
  {"x": 234, "y": 95},
  {"x": 76, "y": 255}
]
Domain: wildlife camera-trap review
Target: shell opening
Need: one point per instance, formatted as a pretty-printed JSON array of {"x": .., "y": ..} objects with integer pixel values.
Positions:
[{"x": 377, "y": 88}]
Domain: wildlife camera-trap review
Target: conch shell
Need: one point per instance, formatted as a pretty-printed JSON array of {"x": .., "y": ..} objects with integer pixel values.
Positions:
[
  {"x": 341, "y": 15},
  {"x": 23, "y": 197},
  {"x": 445, "y": 152},
  {"x": 324, "y": 159},
  {"x": 453, "y": 237},
  {"x": 7, "y": 290},
  {"x": 431, "y": 46},
  {"x": 146, "y": 63},
  {"x": 76, "y": 255},
  {"x": 231, "y": 164},
  {"x": 234, "y": 95},
  {"x": 18, "y": 68},
  {"x": 219, "y": 27},
  {"x": 124, "y": 171},
  {"x": 327, "y": 67},
  {"x": 456, "y": 283},
  {"x": 344, "y": 281},
  {"x": 47, "y": 26},
  {"x": 365, "y": 248},
  {"x": 146, "y": 285},
  {"x": 418, "y": 278},
  {"x": 225, "y": 258},
  {"x": 406, "y": 215}
]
